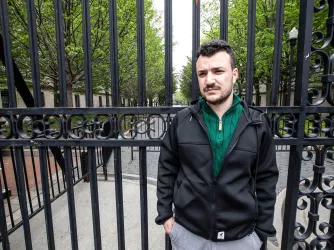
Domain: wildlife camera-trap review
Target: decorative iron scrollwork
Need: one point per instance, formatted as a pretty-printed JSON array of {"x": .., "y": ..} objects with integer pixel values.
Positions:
[
  {"x": 285, "y": 125},
  {"x": 101, "y": 126},
  {"x": 316, "y": 195}
]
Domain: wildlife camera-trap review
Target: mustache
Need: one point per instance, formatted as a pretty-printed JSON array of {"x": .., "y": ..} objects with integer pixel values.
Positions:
[{"x": 212, "y": 86}]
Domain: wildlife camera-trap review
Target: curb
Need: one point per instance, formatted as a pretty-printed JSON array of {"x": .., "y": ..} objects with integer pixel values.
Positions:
[{"x": 133, "y": 177}]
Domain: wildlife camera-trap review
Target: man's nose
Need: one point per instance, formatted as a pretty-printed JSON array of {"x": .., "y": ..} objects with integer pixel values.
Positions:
[{"x": 210, "y": 78}]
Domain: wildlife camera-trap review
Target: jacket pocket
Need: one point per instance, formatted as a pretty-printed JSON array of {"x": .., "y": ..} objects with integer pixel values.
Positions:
[
  {"x": 255, "y": 202},
  {"x": 184, "y": 195}
]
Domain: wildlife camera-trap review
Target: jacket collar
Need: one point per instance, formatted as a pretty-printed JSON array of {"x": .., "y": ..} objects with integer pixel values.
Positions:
[{"x": 250, "y": 115}]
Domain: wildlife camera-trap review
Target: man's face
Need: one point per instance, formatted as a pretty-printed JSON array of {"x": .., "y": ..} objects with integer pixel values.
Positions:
[{"x": 216, "y": 77}]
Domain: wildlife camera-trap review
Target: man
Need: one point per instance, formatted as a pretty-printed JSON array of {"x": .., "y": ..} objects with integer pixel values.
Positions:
[{"x": 217, "y": 165}]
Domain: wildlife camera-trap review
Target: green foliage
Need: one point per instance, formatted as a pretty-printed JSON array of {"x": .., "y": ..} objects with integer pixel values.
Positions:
[
  {"x": 264, "y": 39},
  {"x": 100, "y": 45},
  {"x": 186, "y": 80}
]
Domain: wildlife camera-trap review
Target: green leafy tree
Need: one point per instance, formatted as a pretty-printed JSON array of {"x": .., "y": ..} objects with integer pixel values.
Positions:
[
  {"x": 186, "y": 80},
  {"x": 100, "y": 46}
]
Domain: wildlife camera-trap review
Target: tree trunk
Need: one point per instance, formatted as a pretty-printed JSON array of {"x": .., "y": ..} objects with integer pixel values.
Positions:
[
  {"x": 268, "y": 93},
  {"x": 107, "y": 99},
  {"x": 55, "y": 93},
  {"x": 257, "y": 94},
  {"x": 69, "y": 86}
]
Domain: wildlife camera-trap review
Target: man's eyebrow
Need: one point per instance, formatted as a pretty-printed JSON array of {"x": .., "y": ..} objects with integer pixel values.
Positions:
[{"x": 218, "y": 67}]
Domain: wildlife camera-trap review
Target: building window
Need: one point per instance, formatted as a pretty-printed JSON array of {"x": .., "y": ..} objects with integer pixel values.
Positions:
[
  {"x": 77, "y": 101},
  {"x": 5, "y": 98},
  {"x": 100, "y": 101}
]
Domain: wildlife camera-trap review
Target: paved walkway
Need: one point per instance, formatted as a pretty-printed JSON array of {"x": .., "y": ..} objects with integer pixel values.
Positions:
[{"x": 131, "y": 208}]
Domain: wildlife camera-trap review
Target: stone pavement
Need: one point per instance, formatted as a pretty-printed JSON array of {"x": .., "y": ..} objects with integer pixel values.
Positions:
[
  {"x": 131, "y": 208},
  {"x": 108, "y": 219}
]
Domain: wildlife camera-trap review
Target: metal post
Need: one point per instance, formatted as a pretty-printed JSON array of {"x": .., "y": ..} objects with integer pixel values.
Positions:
[
  {"x": 277, "y": 52},
  {"x": 250, "y": 50},
  {"x": 224, "y": 20},
  {"x": 168, "y": 53},
  {"x": 143, "y": 197},
  {"x": 196, "y": 41},
  {"x": 288, "y": 97},
  {"x": 141, "y": 53},
  {"x": 302, "y": 79}
]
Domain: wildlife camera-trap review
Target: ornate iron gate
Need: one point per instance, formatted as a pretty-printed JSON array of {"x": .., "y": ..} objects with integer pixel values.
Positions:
[{"x": 304, "y": 126}]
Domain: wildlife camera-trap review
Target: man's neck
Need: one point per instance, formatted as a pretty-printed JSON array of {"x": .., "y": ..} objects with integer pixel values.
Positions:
[{"x": 221, "y": 109}]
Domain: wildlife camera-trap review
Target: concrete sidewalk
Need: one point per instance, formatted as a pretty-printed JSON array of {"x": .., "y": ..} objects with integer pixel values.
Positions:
[
  {"x": 132, "y": 224},
  {"x": 131, "y": 195}
]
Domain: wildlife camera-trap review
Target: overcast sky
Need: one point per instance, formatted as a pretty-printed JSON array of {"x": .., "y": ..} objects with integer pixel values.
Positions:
[{"x": 182, "y": 30}]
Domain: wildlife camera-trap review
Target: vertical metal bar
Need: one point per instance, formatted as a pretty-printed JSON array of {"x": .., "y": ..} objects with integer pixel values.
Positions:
[
  {"x": 35, "y": 176},
  {"x": 46, "y": 198},
  {"x": 8, "y": 54},
  {"x": 288, "y": 97},
  {"x": 224, "y": 20},
  {"x": 302, "y": 79},
  {"x": 331, "y": 222},
  {"x": 141, "y": 53},
  {"x": 119, "y": 197},
  {"x": 77, "y": 165},
  {"x": 23, "y": 198},
  {"x": 34, "y": 61},
  {"x": 168, "y": 53},
  {"x": 3, "y": 223},
  {"x": 57, "y": 175},
  {"x": 195, "y": 45},
  {"x": 50, "y": 173},
  {"x": 2, "y": 166},
  {"x": 168, "y": 244},
  {"x": 60, "y": 51},
  {"x": 94, "y": 198},
  {"x": 70, "y": 198},
  {"x": 277, "y": 52},
  {"x": 89, "y": 103},
  {"x": 27, "y": 181},
  {"x": 12, "y": 156},
  {"x": 114, "y": 52},
  {"x": 250, "y": 51},
  {"x": 87, "y": 54},
  {"x": 143, "y": 197}
]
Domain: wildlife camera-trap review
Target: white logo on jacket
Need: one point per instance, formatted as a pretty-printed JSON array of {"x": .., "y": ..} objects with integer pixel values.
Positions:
[{"x": 221, "y": 235}]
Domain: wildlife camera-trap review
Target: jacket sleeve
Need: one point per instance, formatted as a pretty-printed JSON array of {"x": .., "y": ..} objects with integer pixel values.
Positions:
[
  {"x": 168, "y": 169},
  {"x": 266, "y": 180}
]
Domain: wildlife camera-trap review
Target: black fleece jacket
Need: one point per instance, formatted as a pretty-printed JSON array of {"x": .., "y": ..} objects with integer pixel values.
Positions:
[{"x": 240, "y": 199}]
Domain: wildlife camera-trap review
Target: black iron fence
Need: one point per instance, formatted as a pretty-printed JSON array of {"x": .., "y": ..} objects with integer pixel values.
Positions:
[
  {"x": 303, "y": 126},
  {"x": 32, "y": 176}
]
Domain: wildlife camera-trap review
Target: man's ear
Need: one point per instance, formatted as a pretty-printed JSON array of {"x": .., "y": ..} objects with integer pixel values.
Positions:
[{"x": 235, "y": 73}]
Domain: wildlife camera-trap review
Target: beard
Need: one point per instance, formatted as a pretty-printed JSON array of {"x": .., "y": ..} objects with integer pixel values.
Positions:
[{"x": 220, "y": 99}]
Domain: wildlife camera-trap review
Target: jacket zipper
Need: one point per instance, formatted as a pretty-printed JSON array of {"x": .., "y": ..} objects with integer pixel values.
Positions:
[
  {"x": 234, "y": 144},
  {"x": 214, "y": 182}
]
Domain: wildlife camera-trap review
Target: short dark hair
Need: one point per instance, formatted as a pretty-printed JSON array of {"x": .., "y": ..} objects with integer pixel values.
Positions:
[{"x": 211, "y": 47}]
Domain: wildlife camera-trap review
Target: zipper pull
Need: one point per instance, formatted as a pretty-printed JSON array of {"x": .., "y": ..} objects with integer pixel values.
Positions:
[
  {"x": 191, "y": 117},
  {"x": 220, "y": 127}
]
